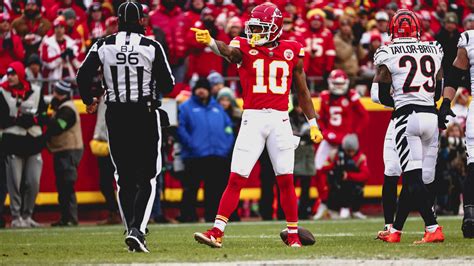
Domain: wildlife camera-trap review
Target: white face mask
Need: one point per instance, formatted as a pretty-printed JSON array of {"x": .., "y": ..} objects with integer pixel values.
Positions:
[{"x": 263, "y": 37}]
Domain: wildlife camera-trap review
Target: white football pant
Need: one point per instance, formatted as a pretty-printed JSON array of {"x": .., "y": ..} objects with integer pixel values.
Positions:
[
  {"x": 264, "y": 127},
  {"x": 416, "y": 140},
  {"x": 322, "y": 154},
  {"x": 470, "y": 133}
]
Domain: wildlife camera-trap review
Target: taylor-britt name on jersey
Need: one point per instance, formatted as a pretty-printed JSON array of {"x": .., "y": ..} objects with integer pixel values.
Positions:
[{"x": 414, "y": 49}]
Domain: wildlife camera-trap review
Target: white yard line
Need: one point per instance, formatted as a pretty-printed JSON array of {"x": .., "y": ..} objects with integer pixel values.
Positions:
[
  {"x": 330, "y": 261},
  {"x": 378, "y": 220}
]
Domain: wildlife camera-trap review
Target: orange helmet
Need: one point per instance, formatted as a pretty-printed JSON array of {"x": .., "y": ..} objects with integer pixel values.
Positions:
[{"x": 404, "y": 24}]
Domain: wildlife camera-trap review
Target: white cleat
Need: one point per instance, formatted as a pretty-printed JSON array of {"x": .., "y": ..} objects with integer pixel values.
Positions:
[
  {"x": 344, "y": 213},
  {"x": 359, "y": 215},
  {"x": 32, "y": 223},
  {"x": 322, "y": 209}
]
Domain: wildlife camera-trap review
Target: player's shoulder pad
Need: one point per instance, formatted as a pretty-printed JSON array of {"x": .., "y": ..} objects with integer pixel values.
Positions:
[
  {"x": 297, "y": 47},
  {"x": 324, "y": 94},
  {"x": 353, "y": 95},
  {"x": 382, "y": 55},
  {"x": 327, "y": 33},
  {"x": 238, "y": 42},
  {"x": 437, "y": 45},
  {"x": 466, "y": 39}
]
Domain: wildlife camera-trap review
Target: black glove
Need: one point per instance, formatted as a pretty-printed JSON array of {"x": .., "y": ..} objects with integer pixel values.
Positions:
[
  {"x": 25, "y": 121},
  {"x": 64, "y": 54},
  {"x": 7, "y": 44},
  {"x": 70, "y": 53},
  {"x": 443, "y": 112}
]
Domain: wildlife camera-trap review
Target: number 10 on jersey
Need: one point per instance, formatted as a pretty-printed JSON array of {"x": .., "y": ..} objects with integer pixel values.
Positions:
[{"x": 273, "y": 80}]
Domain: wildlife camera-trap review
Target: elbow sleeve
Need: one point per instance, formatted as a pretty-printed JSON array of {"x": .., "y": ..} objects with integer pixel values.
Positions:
[
  {"x": 455, "y": 77},
  {"x": 380, "y": 93}
]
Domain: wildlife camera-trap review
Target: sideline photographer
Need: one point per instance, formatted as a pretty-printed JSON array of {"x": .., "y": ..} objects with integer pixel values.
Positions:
[{"x": 347, "y": 172}]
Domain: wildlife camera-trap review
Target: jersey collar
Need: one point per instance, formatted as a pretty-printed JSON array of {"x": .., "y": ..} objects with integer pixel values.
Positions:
[{"x": 405, "y": 40}]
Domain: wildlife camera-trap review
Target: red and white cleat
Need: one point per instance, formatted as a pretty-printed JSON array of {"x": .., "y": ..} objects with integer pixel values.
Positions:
[
  {"x": 294, "y": 241},
  {"x": 212, "y": 237},
  {"x": 435, "y": 237},
  {"x": 385, "y": 231},
  {"x": 386, "y": 236}
]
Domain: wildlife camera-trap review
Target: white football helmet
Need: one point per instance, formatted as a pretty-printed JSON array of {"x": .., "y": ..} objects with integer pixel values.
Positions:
[{"x": 338, "y": 82}]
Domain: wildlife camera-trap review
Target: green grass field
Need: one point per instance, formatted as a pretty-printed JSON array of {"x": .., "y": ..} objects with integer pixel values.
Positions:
[{"x": 246, "y": 241}]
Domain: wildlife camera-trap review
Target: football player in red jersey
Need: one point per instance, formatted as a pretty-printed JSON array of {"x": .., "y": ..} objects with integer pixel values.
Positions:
[
  {"x": 320, "y": 46},
  {"x": 266, "y": 69},
  {"x": 341, "y": 113},
  {"x": 289, "y": 31}
]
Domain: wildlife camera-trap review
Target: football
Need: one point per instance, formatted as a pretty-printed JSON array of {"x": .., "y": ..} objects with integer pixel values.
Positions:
[{"x": 306, "y": 237}]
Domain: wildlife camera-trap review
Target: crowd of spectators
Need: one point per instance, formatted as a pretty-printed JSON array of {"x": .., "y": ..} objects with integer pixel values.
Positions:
[
  {"x": 336, "y": 34},
  {"x": 44, "y": 41}
]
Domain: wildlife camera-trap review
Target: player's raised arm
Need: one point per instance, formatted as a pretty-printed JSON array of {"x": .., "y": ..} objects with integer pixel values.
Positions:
[
  {"x": 304, "y": 98},
  {"x": 380, "y": 91},
  {"x": 232, "y": 54},
  {"x": 453, "y": 80}
]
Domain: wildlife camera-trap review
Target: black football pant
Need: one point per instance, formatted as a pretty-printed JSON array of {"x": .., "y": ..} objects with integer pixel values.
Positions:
[
  {"x": 214, "y": 171},
  {"x": 134, "y": 139},
  {"x": 106, "y": 182}
]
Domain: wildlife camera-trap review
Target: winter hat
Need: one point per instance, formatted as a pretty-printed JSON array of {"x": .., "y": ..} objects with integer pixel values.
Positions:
[
  {"x": 350, "y": 142},
  {"x": 33, "y": 59},
  {"x": 451, "y": 17},
  {"x": 468, "y": 18},
  {"x": 202, "y": 83},
  {"x": 18, "y": 68},
  {"x": 215, "y": 78},
  {"x": 226, "y": 92},
  {"x": 381, "y": 16},
  {"x": 95, "y": 7},
  {"x": 59, "y": 21},
  {"x": 69, "y": 13},
  {"x": 36, "y": 2},
  {"x": 63, "y": 87}
]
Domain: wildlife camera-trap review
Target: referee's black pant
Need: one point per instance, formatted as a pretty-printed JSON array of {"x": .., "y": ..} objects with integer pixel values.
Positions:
[{"x": 134, "y": 139}]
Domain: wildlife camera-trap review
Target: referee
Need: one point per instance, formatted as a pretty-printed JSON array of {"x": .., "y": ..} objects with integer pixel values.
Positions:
[{"x": 135, "y": 71}]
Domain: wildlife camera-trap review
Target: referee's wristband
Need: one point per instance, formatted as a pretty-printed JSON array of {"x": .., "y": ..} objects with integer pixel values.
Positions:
[{"x": 312, "y": 122}]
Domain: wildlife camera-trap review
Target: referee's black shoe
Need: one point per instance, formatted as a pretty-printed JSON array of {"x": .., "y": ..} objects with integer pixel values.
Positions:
[
  {"x": 468, "y": 222},
  {"x": 135, "y": 240}
]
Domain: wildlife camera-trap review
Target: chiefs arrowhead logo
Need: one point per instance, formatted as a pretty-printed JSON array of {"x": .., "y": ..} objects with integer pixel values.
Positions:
[
  {"x": 253, "y": 52},
  {"x": 288, "y": 54},
  {"x": 345, "y": 102}
]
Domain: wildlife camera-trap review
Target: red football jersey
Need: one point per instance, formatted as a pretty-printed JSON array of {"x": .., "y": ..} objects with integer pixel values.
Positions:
[
  {"x": 341, "y": 115},
  {"x": 320, "y": 47},
  {"x": 266, "y": 74}
]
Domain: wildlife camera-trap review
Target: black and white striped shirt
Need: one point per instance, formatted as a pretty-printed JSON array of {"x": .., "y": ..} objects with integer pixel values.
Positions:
[{"x": 134, "y": 68}]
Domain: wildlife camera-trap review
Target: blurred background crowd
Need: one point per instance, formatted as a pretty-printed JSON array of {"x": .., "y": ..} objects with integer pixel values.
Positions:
[{"x": 42, "y": 43}]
